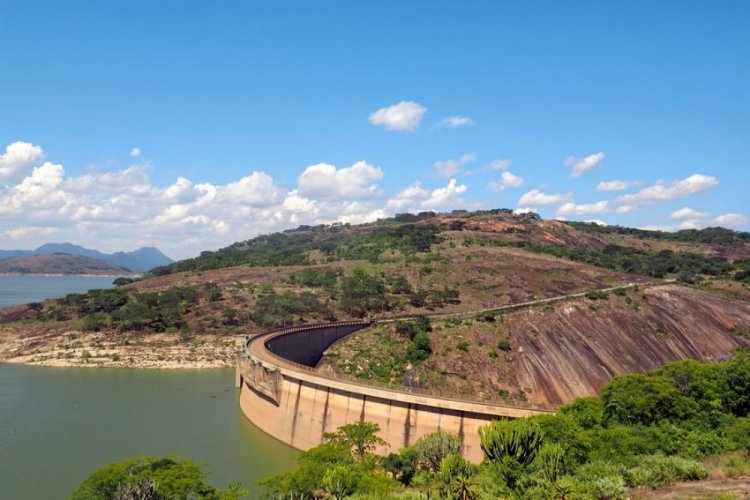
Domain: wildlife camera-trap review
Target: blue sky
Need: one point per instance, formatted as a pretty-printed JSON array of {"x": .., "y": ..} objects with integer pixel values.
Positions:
[{"x": 652, "y": 94}]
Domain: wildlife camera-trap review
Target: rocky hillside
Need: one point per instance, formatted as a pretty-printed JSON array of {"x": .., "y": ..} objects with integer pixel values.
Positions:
[
  {"x": 550, "y": 354},
  {"x": 60, "y": 263}
]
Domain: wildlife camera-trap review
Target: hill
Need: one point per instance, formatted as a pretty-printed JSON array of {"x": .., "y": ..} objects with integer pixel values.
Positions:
[
  {"x": 671, "y": 297},
  {"x": 138, "y": 261},
  {"x": 60, "y": 263}
]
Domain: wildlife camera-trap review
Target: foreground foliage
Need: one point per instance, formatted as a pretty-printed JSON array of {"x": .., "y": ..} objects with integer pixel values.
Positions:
[
  {"x": 152, "y": 478},
  {"x": 645, "y": 430}
]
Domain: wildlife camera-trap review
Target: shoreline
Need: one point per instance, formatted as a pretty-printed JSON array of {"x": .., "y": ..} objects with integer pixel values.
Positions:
[{"x": 76, "y": 349}]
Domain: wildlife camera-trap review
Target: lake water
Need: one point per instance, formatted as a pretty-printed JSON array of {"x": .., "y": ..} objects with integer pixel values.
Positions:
[
  {"x": 21, "y": 289},
  {"x": 57, "y": 425}
]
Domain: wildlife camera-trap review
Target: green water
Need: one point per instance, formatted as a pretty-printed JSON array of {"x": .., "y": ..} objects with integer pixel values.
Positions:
[{"x": 59, "y": 424}]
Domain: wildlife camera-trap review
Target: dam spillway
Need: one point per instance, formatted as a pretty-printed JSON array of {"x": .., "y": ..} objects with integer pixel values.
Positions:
[{"x": 285, "y": 396}]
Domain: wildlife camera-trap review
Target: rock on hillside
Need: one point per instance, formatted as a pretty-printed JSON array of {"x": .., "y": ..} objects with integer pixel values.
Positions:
[{"x": 576, "y": 350}]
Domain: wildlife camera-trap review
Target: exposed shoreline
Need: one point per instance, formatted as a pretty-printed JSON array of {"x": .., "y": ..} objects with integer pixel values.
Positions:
[{"x": 77, "y": 349}]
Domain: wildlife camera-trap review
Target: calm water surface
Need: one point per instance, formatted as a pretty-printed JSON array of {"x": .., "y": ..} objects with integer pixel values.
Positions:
[
  {"x": 21, "y": 289},
  {"x": 59, "y": 424}
]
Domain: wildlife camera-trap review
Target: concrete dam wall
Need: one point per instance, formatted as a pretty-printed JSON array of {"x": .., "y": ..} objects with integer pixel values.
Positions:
[{"x": 284, "y": 396}]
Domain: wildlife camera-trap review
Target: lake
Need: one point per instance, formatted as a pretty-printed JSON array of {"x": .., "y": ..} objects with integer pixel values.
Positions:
[
  {"x": 22, "y": 289},
  {"x": 57, "y": 425}
]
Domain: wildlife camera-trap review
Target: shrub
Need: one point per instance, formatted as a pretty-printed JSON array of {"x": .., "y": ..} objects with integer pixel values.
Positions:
[
  {"x": 660, "y": 470},
  {"x": 419, "y": 349},
  {"x": 640, "y": 399},
  {"x": 516, "y": 439},
  {"x": 462, "y": 345},
  {"x": 551, "y": 461},
  {"x": 504, "y": 345},
  {"x": 432, "y": 448}
]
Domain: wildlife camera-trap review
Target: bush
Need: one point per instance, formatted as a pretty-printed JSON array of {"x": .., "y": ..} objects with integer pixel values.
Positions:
[
  {"x": 432, "y": 448},
  {"x": 641, "y": 399},
  {"x": 504, "y": 345},
  {"x": 659, "y": 470},
  {"x": 462, "y": 345}
]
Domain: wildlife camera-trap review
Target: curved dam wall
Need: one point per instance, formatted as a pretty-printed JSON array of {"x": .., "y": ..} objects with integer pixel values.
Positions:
[
  {"x": 306, "y": 347},
  {"x": 298, "y": 406}
]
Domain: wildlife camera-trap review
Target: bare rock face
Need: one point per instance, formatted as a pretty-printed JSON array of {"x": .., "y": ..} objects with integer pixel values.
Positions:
[{"x": 575, "y": 350}]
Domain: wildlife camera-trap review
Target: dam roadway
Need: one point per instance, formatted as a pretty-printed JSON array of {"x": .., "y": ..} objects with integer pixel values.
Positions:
[{"x": 285, "y": 396}]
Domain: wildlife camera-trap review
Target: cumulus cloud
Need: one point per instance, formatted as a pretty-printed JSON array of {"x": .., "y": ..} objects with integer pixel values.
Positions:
[
  {"x": 537, "y": 197},
  {"x": 449, "y": 168},
  {"x": 507, "y": 180},
  {"x": 135, "y": 152},
  {"x": 456, "y": 121},
  {"x": 255, "y": 190},
  {"x": 415, "y": 198},
  {"x": 524, "y": 210},
  {"x": 123, "y": 209},
  {"x": 567, "y": 209},
  {"x": 327, "y": 181},
  {"x": 666, "y": 191},
  {"x": 406, "y": 115},
  {"x": 580, "y": 165},
  {"x": 732, "y": 220},
  {"x": 688, "y": 213},
  {"x": 615, "y": 185},
  {"x": 18, "y": 158}
]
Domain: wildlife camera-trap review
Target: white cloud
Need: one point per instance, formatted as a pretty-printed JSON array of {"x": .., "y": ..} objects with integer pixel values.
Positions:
[
  {"x": 326, "y": 181},
  {"x": 415, "y": 198},
  {"x": 692, "y": 224},
  {"x": 449, "y": 168},
  {"x": 18, "y": 158},
  {"x": 688, "y": 213},
  {"x": 507, "y": 180},
  {"x": 666, "y": 191},
  {"x": 524, "y": 210},
  {"x": 598, "y": 222},
  {"x": 456, "y": 121},
  {"x": 580, "y": 165},
  {"x": 537, "y": 197},
  {"x": 656, "y": 227},
  {"x": 615, "y": 185},
  {"x": 406, "y": 115},
  {"x": 567, "y": 209},
  {"x": 255, "y": 190},
  {"x": 135, "y": 152},
  {"x": 732, "y": 220}
]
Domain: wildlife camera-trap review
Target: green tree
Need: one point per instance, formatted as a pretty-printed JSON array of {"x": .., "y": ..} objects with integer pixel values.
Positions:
[
  {"x": 161, "y": 478},
  {"x": 360, "y": 437},
  {"x": 642, "y": 399}
]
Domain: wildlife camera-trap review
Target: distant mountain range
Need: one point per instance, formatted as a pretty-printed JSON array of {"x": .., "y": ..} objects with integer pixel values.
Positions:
[
  {"x": 138, "y": 261},
  {"x": 61, "y": 263}
]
